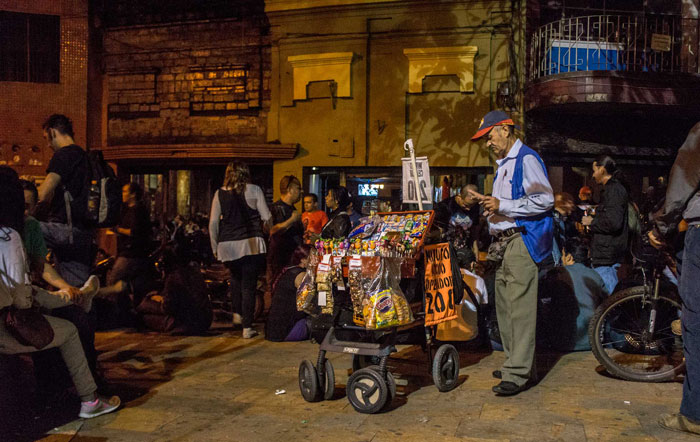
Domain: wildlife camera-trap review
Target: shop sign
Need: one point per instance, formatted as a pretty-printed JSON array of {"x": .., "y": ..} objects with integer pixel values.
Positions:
[
  {"x": 410, "y": 191},
  {"x": 661, "y": 42},
  {"x": 439, "y": 292}
]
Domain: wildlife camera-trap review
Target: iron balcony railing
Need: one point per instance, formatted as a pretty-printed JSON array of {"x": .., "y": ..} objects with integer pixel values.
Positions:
[{"x": 609, "y": 42}]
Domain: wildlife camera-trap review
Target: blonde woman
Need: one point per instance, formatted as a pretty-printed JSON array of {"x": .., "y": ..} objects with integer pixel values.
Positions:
[{"x": 238, "y": 212}]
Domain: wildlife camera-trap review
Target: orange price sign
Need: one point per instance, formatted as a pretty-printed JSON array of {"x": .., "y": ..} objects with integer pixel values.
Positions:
[{"x": 439, "y": 293}]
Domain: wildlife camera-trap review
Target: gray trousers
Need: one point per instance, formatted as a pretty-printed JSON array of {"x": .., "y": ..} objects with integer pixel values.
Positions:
[
  {"x": 516, "y": 310},
  {"x": 65, "y": 338}
]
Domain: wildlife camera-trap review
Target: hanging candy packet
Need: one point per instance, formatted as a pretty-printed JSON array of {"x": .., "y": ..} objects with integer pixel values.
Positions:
[
  {"x": 324, "y": 285},
  {"x": 306, "y": 293}
]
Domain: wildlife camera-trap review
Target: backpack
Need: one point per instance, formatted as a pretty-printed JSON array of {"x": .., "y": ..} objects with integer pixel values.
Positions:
[{"x": 104, "y": 195}]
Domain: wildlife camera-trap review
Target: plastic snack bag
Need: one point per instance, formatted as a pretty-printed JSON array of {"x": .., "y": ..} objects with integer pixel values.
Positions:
[
  {"x": 387, "y": 306},
  {"x": 324, "y": 286},
  {"x": 357, "y": 293},
  {"x": 306, "y": 293}
]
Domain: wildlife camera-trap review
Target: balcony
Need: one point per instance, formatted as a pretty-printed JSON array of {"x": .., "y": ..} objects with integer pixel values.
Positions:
[{"x": 614, "y": 59}]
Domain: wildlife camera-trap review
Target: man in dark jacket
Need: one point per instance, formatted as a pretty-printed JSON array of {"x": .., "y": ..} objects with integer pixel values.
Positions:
[{"x": 609, "y": 226}]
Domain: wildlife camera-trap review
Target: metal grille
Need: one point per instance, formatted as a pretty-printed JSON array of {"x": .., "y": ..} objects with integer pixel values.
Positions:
[{"x": 608, "y": 42}]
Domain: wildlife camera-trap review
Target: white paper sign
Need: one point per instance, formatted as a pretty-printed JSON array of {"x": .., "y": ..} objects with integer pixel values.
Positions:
[{"x": 425, "y": 188}]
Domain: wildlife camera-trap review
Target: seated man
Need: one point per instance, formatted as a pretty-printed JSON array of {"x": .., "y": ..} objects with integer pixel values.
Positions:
[
  {"x": 569, "y": 296},
  {"x": 183, "y": 305}
]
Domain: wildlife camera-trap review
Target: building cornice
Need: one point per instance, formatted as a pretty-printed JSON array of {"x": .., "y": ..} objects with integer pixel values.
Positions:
[
  {"x": 293, "y": 5},
  {"x": 202, "y": 151}
]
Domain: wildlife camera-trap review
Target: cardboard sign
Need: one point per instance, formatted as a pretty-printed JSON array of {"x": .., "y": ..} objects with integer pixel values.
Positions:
[
  {"x": 425, "y": 188},
  {"x": 439, "y": 296}
]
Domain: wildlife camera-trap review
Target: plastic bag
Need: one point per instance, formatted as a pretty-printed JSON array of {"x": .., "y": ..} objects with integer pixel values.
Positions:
[
  {"x": 357, "y": 292},
  {"x": 367, "y": 227},
  {"x": 386, "y": 304},
  {"x": 306, "y": 293},
  {"x": 324, "y": 286}
]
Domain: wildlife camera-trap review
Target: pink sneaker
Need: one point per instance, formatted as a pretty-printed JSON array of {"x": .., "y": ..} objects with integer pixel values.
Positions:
[{"x": 100, "y": 406}]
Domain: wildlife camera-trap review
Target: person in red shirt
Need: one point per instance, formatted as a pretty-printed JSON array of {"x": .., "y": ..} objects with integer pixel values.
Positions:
[{"x": 312, "y": 218}]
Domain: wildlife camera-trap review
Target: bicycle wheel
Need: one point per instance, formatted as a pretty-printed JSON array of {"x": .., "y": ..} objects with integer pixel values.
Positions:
[{"x": 620, "y": 340}]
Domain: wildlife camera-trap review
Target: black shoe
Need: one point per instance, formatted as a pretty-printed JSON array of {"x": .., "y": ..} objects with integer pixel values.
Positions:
[
  {"x": 506, "y": 388},
  {"x": 497, "y": 374}
]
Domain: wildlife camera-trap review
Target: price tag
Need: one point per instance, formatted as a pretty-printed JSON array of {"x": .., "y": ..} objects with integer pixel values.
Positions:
[
  {"x": 324, "y": 267},
  {"x": 322, "y": 296},
  {"x": 326, "y": 259},
  {"x": 341, "y": 285}
]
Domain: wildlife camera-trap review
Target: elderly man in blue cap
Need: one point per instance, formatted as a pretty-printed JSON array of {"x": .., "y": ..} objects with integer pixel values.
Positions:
[{"x": 519, "y": 215}]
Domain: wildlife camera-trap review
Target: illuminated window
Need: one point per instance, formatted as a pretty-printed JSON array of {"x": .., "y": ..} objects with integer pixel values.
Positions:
[{"x": 30, "y": 47}]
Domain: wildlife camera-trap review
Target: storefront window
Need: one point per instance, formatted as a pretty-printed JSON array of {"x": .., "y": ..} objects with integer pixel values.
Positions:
[{"x": 379, "y": 188}]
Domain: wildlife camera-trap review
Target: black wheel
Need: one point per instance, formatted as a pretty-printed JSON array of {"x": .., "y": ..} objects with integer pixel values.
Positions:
[
  {"x": 362, "y": 361},
  {"x": 446, "y": 367},
  {"x": 328, "y": 381},
  {"x": 390, "y": 383},
  {"x": 367, "y": 391},
  {"x": 620, "y": 340},
  {"x": 308, "y": 382}
]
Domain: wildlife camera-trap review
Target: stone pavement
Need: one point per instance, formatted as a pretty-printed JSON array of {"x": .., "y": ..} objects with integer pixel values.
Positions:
[{"x": 221, "y": 387}]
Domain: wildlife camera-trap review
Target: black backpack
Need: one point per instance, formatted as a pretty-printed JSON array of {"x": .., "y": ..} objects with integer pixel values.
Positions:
[{"x": 104, "y": 197}]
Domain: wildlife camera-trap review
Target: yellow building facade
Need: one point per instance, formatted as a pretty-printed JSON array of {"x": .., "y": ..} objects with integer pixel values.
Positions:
[{"x": 353, "y": 80}]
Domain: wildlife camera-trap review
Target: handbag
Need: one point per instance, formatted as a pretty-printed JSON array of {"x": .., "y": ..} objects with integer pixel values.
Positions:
[{"x": 28, "y": 326}]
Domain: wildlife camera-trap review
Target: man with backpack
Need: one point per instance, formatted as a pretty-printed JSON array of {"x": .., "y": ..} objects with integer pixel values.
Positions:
[{"x": 63, "y": 202}]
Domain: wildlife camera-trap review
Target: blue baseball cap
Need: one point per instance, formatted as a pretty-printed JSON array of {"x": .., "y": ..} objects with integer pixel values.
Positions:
[{"x": 493, "y": 118}]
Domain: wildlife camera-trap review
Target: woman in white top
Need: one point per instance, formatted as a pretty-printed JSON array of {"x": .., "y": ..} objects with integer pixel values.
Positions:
[
  {"x": 238, "y": 212},
  {"x": 16, "y": 292}
]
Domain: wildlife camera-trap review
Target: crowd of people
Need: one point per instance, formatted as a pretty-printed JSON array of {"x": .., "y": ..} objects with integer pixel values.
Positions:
[{"x": 547, "y": 259}]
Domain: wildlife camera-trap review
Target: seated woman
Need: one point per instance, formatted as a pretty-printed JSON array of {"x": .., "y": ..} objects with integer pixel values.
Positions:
[
  {"x": 16, "y": 292},
  {"x": 338, "y": 225},
  {"x": 284, "y": 322},
  {"x": 183, "y": 305}
]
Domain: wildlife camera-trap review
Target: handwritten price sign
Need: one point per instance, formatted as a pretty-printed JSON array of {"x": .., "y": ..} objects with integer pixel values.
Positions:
[{"x": 439, "y": 296}]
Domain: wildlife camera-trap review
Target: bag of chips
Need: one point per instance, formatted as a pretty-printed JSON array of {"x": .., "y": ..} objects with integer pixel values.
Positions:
[{"x": 386, "y": 304}]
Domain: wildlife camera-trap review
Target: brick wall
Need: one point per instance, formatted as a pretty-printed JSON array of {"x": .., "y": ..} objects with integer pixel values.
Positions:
[
  {"x": 25, "y": 106},
  {"x": 198, "y": 82}
]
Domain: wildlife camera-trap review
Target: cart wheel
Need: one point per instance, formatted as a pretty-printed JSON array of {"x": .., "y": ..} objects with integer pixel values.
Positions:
[
  {"x": 367, "y": 391},
  {"x": 328, "y": 381},
  {"x": 390, "y": 383},
  {"x": 363, "y": 361},
  {"x": 446, "y": 367},
  {"x": 308, "y": 381}
]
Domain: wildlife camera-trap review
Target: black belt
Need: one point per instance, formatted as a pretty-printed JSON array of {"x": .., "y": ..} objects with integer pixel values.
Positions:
[{"x": 509, "y": 232}]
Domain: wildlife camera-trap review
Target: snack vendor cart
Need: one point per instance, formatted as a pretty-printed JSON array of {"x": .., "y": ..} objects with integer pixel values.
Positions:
[{"x": 370, "y": 274}]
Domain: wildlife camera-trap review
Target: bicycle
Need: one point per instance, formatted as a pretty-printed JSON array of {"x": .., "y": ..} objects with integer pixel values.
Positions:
[{"x": 630, "y": 332}]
